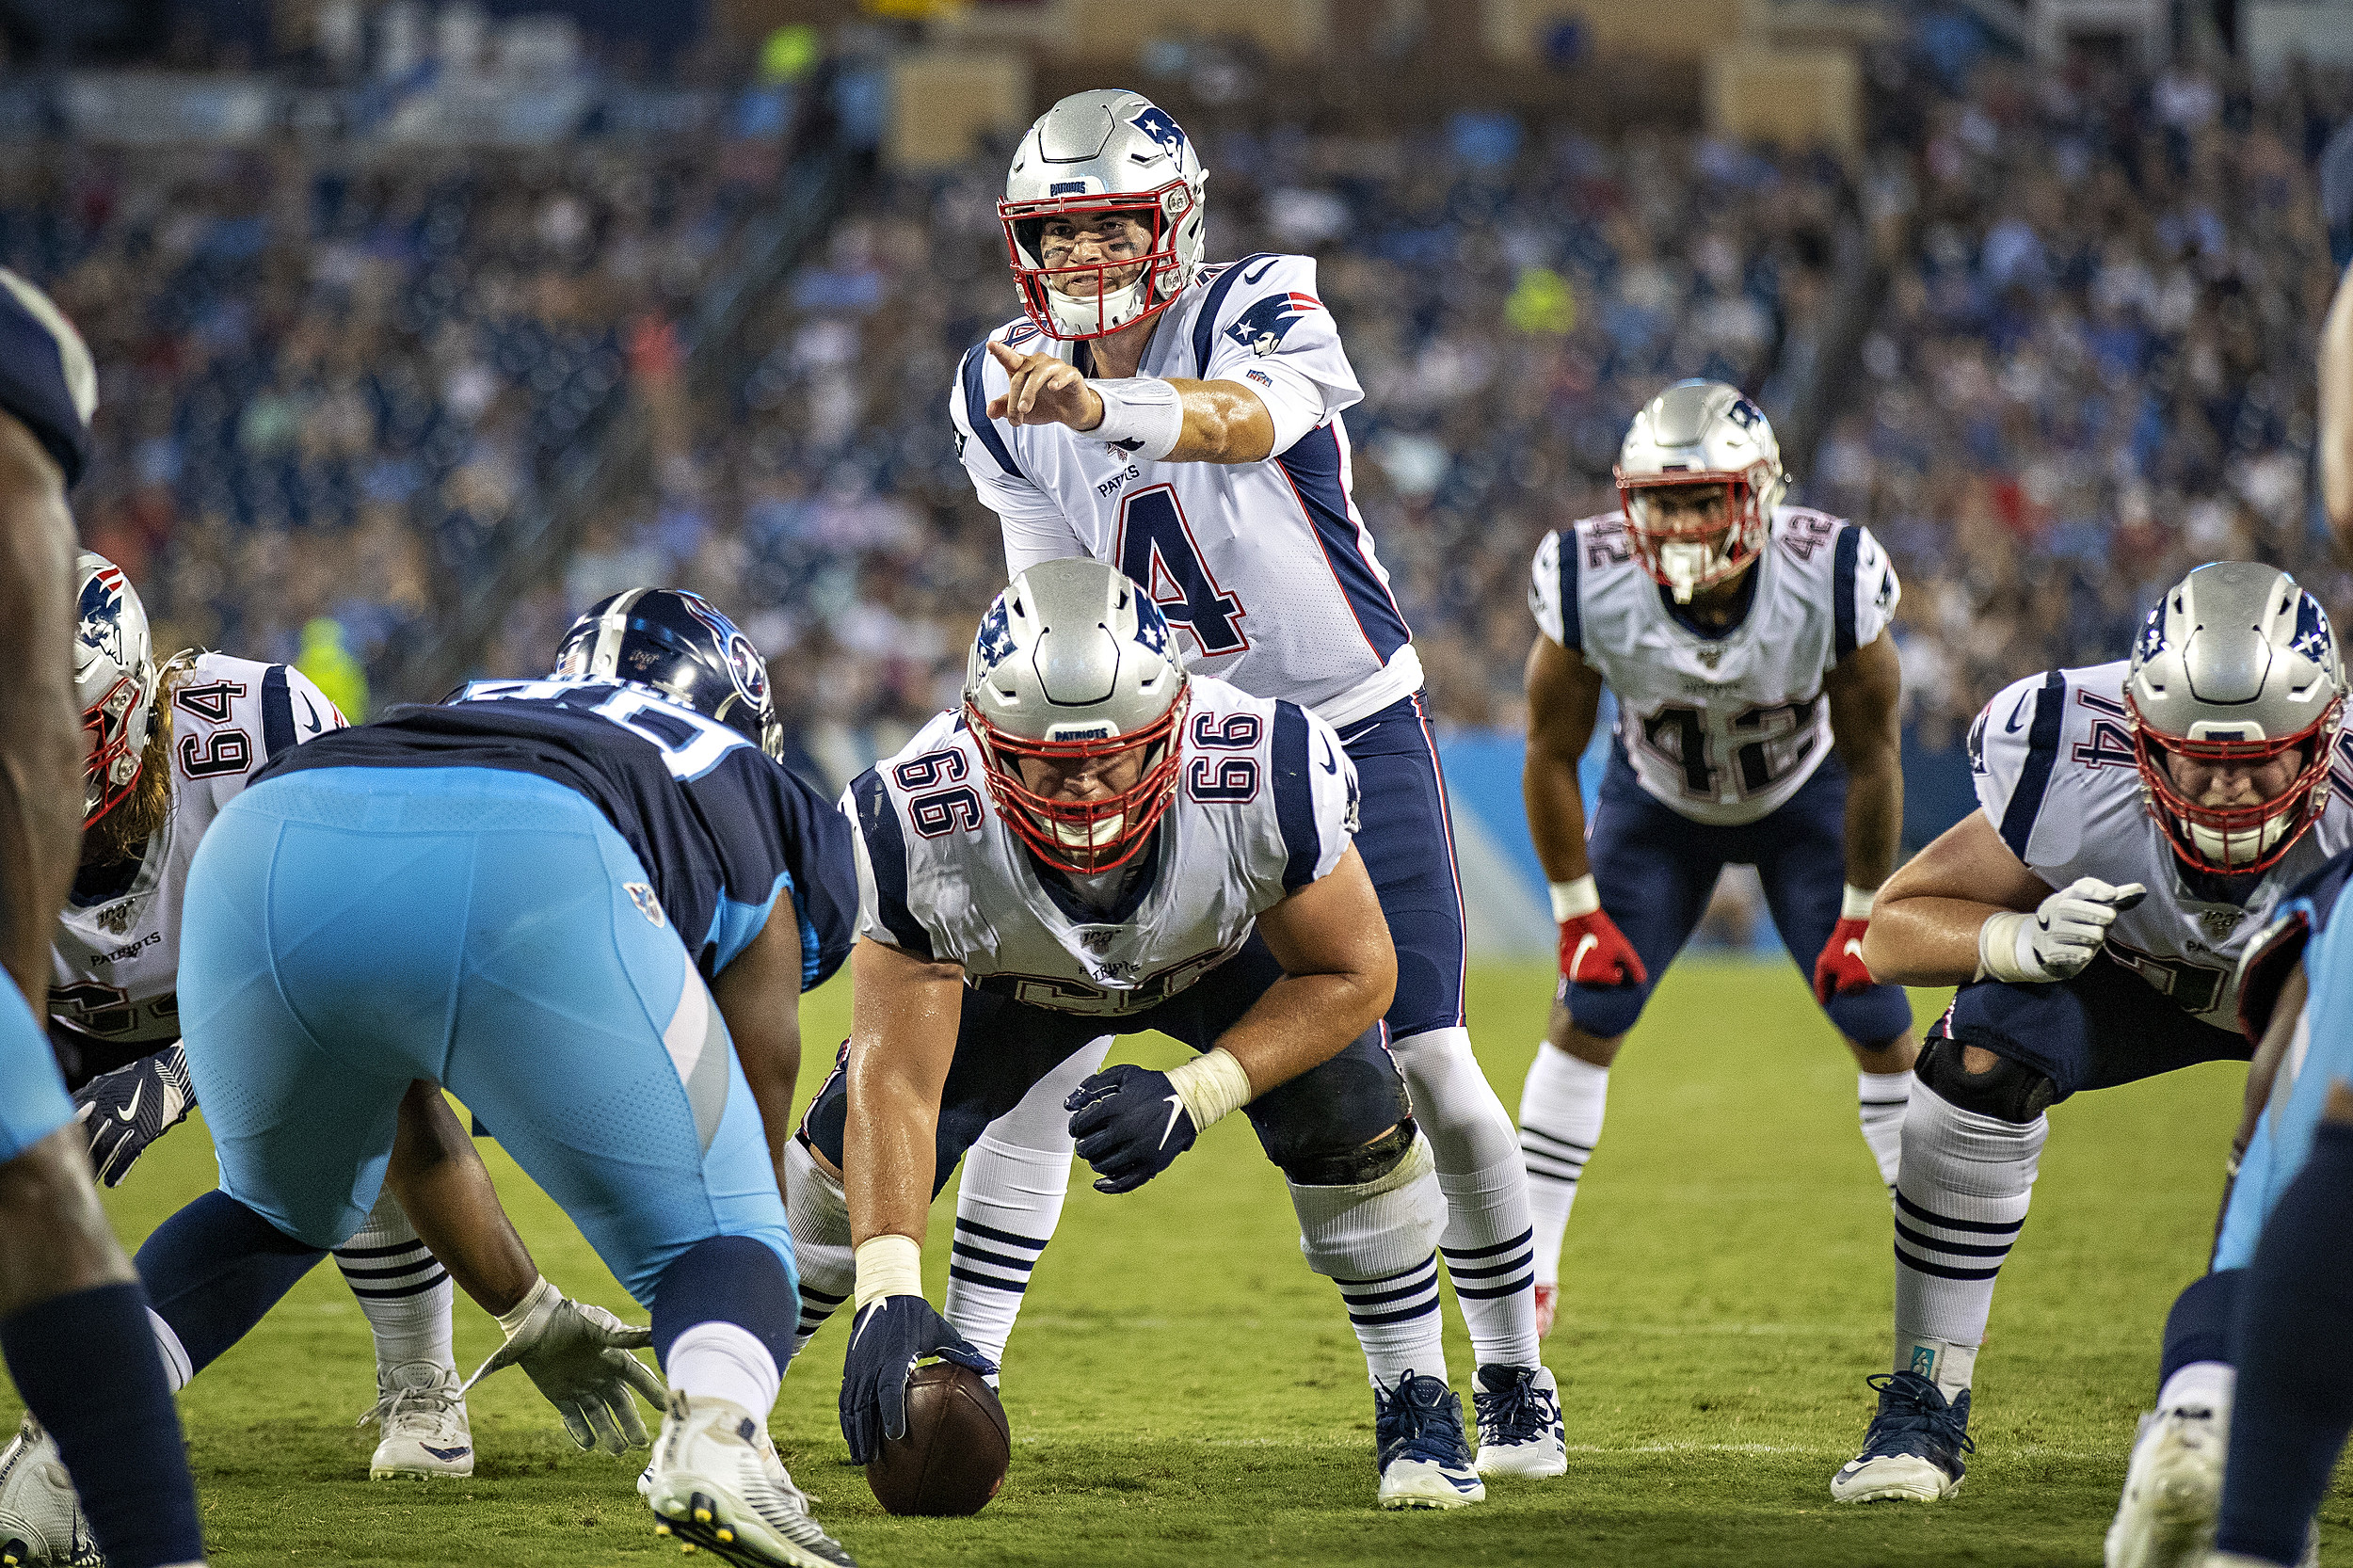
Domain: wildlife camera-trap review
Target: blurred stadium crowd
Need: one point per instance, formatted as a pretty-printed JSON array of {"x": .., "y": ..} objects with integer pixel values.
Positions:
[{"x": 2088, "y": 305}]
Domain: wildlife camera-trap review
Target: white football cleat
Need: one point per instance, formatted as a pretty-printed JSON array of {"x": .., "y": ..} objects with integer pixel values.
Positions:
[
  {"x": 1912, "y": 1452},
  {"x": 718, "y": 1484},
  {"x": 1519, "y": 1423},
  {"x": 423, "y": 1409},
  {"x": 1418, "y": 1444},
  {"x": 41, "y": 1518},
  {"x": 1547, "y": 1304},
  {"x": 2172, "y": 1489}
]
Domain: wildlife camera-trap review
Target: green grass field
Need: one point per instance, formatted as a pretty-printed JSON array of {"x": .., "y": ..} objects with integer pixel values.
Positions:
[{"x": 1182, "y": 1390}]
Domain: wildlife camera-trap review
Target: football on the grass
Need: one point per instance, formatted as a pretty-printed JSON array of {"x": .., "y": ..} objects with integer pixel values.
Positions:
[{"x": 958, "y": 1442}]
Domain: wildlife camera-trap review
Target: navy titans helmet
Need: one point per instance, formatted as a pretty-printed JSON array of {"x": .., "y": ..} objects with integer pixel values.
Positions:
[{"x": 678, "y": 643}]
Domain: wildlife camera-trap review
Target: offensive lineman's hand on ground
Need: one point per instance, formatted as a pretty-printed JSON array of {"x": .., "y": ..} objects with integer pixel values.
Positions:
[
  {"x": 1043, "y": 390},
  {"x": 2060, "y": 939},
  {"x": 887, "y": 1339},
  {"x": 579, "y": 1357}
]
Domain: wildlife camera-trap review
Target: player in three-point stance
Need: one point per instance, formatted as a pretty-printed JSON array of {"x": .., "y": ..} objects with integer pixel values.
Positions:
[
  {"x": 2169, "y": 799},
  {"x": 586, "y": 904},
  {"x": 172, "y": 744},
  {"x": 1100, "y": 841},
  {"x": 1746, "y": 643},
  {"x": 1182, "y": 422}
]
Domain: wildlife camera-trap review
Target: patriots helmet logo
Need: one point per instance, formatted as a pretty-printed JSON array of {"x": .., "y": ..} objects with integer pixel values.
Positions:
[
  {"x": 2313, "y": 638},
  {"x": 1151, "y": 626},
  {"x": 2151, "y": 641},
  {"x": 1155, "y": 122},
  {"x": 995, "y": 643},
  {"x": 102, "y": 612},
  {"x": 1261, "y": 328}
]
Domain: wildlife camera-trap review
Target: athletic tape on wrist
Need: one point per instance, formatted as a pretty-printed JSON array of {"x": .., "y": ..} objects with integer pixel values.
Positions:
[
  {"x": 888, "y": 1265},
  {"x": 2006, "y": 950},
  {"x": 543, "y": 1296},
  {"x": 1213, "y": 1086},
  {"x": 1142, "y": 409},
  {"x": 1855, "y": 903},
  {"x": 1571, "y": 899}
]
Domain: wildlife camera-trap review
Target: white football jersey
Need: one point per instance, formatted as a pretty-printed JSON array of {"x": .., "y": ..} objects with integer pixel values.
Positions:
[
  {"x": 115, "y": 965},
  {"x": 1266, "y": 803},
  {"x": 2053, "y": 766},
  {"x": 1265, "y": 569},
  {"x": 1722, "y": 726}
]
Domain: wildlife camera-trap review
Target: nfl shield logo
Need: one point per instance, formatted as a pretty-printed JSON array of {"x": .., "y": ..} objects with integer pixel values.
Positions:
[
  {"x": 1711, "y": 656},
  {"x": 2220, "y": 922}
]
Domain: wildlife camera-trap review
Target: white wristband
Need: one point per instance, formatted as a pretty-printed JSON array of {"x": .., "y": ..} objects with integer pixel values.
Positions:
[
  {"x": 2006, "y": 950},
  {"x": 1212, "y": 1085},
  {"x": 541, "y": 1297},
  {"x": 888, "y": 1265},
  {"x": 1571, "y": 899},
  {"x": 1855, "y": 903},
  {"x": 1140, "y": 409}
]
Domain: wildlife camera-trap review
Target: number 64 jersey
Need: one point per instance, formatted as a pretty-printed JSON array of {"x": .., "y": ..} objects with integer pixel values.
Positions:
[
  {"x": 2053, "y": 766},
  {"x": 115, "y": 962},
  {"x": 1266, "y": 803},
  {"x": 1722, "y": 726}
]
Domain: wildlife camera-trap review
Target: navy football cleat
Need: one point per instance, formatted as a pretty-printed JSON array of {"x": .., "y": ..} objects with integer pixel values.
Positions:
[
  {"x": 1912, "y": 1452},
  {"x": 1418, "y": 1444}
]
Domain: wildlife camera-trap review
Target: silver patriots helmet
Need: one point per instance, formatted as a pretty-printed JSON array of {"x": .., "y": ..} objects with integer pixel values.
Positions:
[
  {"x": 1074, "y": 662},
  {"x": 1700, "y": 433},
  {"x": 114, "y": 681},
  {"x": 2236, "y": 668},
  {"x": 1106, "y": 151}
]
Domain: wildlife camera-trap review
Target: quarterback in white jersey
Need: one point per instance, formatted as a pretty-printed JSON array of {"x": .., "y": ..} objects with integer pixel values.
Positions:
[
  {"x": 1746, "y": 643},
  {"x": 172, "y": 746},
  {"x": 2170, "y": 799},
  {"x": 1099, "y": 840},
  {"x": 1183, "y": 422}
]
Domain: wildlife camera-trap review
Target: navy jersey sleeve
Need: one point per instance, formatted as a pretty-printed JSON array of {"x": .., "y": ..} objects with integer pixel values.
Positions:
[
  {"x": 46, "y": 379},
  {"x": 2274, "y": 952},
  {"x": 823, "y": 876}
]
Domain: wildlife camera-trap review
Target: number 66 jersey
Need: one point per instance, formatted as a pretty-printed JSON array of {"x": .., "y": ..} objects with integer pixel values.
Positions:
[
  {"x": 1722, "y": 726},
  {"x": 2053, "y": 767},
  {"x": 1266, "y": 803}
]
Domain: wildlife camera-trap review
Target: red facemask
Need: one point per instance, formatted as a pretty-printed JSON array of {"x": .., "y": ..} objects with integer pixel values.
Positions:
[
  {"x": 2235, "y": 839},
  {"x": 1086, "y": 837},
  {"x": 1159, "y": 211},
  {"x": 1688, "y": 558}
]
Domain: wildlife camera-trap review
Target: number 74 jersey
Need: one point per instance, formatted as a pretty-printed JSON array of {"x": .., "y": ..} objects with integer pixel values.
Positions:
[{"x": 1722, "y": 726}]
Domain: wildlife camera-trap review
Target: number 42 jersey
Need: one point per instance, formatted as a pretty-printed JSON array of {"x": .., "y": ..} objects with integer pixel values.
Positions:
[
  {"x": 115, "y": 962},
  {"x": 1266, "y": 803},
  {"x": 1720, "y": 726},
  {"x": 2053, "y": 766}
]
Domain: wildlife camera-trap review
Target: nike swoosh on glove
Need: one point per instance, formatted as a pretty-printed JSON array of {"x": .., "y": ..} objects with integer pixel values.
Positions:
[
  {"x": 887, "y": 1339},
  {"x": 1594, "y": 952},
  {"x": 125, "y": 1110},
  {"x": 579, "y": 1357},
  {"x": 1131, "y": 1124},
  {"x": 1841, "y": 969}
]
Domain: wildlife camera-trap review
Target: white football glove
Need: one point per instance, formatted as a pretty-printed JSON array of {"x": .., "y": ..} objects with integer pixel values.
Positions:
[
  {"x": 579, "y": 1356},
  {"x": 2058, "y": 938}
]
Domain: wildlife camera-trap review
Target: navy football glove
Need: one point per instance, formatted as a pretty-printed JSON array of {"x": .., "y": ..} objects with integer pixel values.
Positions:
[
  {"x": 889, "y": 1337},
  {"x": 125, "y": 1110},
  {"x": 1131, "y": 1124}
]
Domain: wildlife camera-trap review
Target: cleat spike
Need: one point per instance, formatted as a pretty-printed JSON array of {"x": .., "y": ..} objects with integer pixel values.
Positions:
[
  {"x": 727, "y": 1536},
  {"x": 662, "y": 1529},
  {"x": 702, "y": 1515}
]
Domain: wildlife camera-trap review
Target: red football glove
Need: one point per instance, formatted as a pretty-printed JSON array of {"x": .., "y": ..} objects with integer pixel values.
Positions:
[
  {"x": 1840, "y": 969},
  {"x": 1594, "y": 952}
]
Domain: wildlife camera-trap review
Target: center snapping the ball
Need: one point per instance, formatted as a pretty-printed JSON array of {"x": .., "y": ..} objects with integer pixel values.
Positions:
[{"x": 958, "y": 1444}]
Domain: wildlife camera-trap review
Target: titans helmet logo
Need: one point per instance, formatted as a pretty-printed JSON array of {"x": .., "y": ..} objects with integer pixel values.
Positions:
[
  {"x": 749, "y": 670},
  {"x": 1156, "y": 123},
  {"x": 1261, "y": 328},
  {"x": 102, "y": 614}
]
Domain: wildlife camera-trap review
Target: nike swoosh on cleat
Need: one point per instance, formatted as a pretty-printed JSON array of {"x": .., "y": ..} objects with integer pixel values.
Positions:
[
  {"x": 1331, "y": 764},
  {"x": 445, "y": 1454},
  {"x": 1176, "y": 1109}
]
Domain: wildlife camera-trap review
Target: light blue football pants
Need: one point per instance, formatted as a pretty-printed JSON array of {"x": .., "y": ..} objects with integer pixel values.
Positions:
[
  {"x": 349, "y": 930},
  {"x": 33, "y": 1101},
  {"x": 2320, "y": 1054}
]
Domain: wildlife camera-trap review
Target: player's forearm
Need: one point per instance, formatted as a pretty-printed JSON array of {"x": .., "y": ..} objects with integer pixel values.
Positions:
[
  {"x": 889, "y": 1153},
  {"x": 773, "y": 1068},
  {"x": 2336, "y": 415},
  {"x": 1224, "y": 423},
  {"x": 1925, "y": 940},
  {"x": 447, "y": 1191},
  {"x": 1305, "y": 1020},
  {"x": 1875, "y": 820},
  {"x": 1556, "y": 815},
  {"x": 41, "y": 737}
]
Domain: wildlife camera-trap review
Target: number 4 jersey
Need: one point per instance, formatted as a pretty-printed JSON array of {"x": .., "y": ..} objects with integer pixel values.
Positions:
[
  {"x": 2056, "y": 776},
  {"x": 115, "y": 963},
  {"x": 1264, "y": 569},
  {"x": 1266, "y": 803},
  {"x": 1722, "y": 726}
]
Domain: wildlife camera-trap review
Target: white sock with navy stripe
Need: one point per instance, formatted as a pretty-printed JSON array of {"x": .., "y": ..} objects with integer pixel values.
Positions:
[
  {"x": 1961, "y": 1199},
  {"x": 1882, "y": 1098},
  {"x": 1397, "y": 1320},
  {"x": 818, "y": 1215},
  {"x": 401, "y": 1287},
  {"x": 1561, "y": 1112}
]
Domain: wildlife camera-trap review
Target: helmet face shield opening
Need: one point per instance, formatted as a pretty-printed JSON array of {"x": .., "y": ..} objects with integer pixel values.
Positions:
[
  {"x": 1687, "y": 548},
  {"x": 2245, "y": 835},
  {"x": 1084, "y": 837},
  {"x": 1073, "y": 302}
]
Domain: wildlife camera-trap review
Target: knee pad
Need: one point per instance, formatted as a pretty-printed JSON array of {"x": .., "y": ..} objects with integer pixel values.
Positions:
[
  {"x": 1367, "y": 1162},
  {"x": 1605, "y": 1012},
  {"x": 1365, "y": 1229},
  {"x": 2007, "y": 1091}
]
